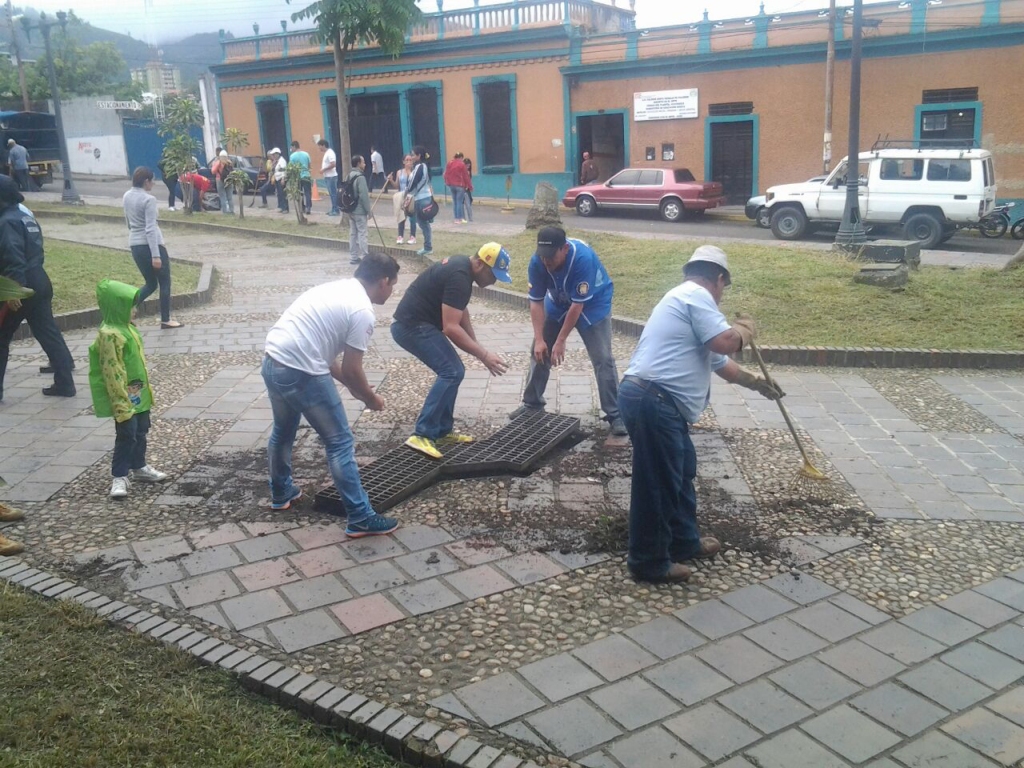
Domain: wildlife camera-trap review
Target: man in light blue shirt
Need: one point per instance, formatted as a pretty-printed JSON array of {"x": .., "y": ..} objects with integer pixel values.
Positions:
[
  {"x": 305, "y": 178},
  {"x": 666, "y": 388}
]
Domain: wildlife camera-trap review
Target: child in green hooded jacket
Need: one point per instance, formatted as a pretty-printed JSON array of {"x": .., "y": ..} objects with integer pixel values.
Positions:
[{"x": 120, "y": 385}]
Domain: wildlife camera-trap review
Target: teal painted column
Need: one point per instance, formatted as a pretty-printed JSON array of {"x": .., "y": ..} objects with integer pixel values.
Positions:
[
  {"x": 761, "y": 22},
  {"x": 631, "y": 45},
  {"x": 704, "y": 35},
  {"x": 918, "y": 16},
  {"x": 991, "y": 13},
  {"x": 404, "y": 119},
  {"x": 575, "y": 50}
]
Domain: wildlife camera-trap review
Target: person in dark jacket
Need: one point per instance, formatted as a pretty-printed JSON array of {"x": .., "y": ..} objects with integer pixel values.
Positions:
[{"x": 21, "y": 259}]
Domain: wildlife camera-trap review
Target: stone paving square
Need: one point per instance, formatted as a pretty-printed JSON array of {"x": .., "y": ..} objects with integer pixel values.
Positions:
[
  {"x": 254, "y": 608},
  {"x": 814, "y": 683},
  {"x": 573, "y": 727},
  {"x": 374, "y": 577},
  {"x": 1010, "y": 705},
  {"x": 942, "y": 625},
  {"x": 476, "y": 551},
  {"x": 784, "y": 639},
  {"x": 829, "y": 621},
  {"x": 861, "y": 662},
  {"x": 990, "y": 734},
  {"x": 979, "y": 609},
  {"x": 265, "y": 547},
  {"x": 317, "y": 562},
  {"x": 426, "y": 563},
  {"x": 499, "y": 699},
  {"x": 712, "y": 731},
  {"x": 851, "y": 734},
  {"x": 936, "y": 750},
  {"x": 654, "y": 748},
  {"x": 266, "y": 574},
  {"x": 615, "y": 657},
  {"x": 988, "y": 666},
  {"x": 945, "y": 686},
  {"x": 315, "y": 593},
  {"x": 738, "y": 659},
  {"x": 1008, "y": 639},
  {"x": 633, "y": 703},
  {"x": 793, "y": 749},
  {"x": 530, "y": 567},
  {"x": 372, "y": 548},
  {"x": 214, "y": 558},
  {"x": 481, "y": 581},
  {"x": 559, "y": 677},
  {"x": 757, "y": 602},
  {"x": 902, "y": 643},
  {"x": 163, "y": 548},
  {"x": 764, "y": 706},
  {"x": 138, "y": 577},
  {"x": 306, "y": 630},
  {"x": 205, "y": 589},
  {"x": 665, "y": 637},
  {"x": 899, "y": 709},
  {"x": 687, "y": 680},
  {"x": 365, "y": 613},
  {"x": 1006, "y": 591},
  {"x": 800, "y": 588},
  {"x": 714, "y": 619},
  {"x": 425, "y": 597},
  {"x": 417, "y": 537},
  {"x": 316, "y": 536}
]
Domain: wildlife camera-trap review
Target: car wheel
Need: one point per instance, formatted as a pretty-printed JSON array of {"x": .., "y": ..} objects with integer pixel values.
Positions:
[
  {"x": 788, "y": 223},
  {"x": 586, "y": 205},
  {"x": 1017, "y": 232},
  {"x": 672, "y": 209},
  {"x": 762, "y": 218},
  {"x": 925, "y": 228}
]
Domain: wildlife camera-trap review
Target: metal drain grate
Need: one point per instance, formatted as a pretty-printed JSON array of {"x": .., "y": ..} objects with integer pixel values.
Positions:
[{"x": 400, "y": 473}]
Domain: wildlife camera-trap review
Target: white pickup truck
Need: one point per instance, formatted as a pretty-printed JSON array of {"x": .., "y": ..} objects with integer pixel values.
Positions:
[{"x": 925, "y": 192}]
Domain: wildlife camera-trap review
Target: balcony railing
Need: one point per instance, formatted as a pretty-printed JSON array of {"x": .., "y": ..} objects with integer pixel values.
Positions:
[{"x": 593, "y": 16}]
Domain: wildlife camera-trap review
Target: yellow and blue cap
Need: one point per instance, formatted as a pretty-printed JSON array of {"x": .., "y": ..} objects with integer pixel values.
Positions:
[{"x": 497, "y": 258}]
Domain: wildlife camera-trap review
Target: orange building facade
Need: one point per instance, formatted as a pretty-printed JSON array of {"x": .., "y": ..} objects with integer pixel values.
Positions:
[{"x": 524, "y": 88}]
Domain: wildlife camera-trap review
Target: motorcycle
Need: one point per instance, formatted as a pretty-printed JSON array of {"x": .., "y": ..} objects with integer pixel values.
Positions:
[
  {"x": 1017, "y": 232},
  {"x": 997, "y": 222}
]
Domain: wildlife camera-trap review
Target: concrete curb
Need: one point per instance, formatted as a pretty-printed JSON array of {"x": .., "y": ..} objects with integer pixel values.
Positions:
[
  {"x": 832, "y": 357},
  {"x": 411, "y": 739}
]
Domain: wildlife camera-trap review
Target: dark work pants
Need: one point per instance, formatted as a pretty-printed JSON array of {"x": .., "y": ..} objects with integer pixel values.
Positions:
[
  {"x": 130, "y": 444},
  {"x": 37, "y": 311},
  {"x": 144, "y": 261},
  {"x": 172, "y": 183}
]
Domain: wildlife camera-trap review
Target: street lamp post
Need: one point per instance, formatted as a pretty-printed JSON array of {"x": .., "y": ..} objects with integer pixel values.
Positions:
[
  {"x": 69, "y": 195},
  {"x": 851, "y": 232}
]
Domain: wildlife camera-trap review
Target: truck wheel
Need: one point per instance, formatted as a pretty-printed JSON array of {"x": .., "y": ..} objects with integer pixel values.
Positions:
[
  {"x": 672, "y": 209},
  {"x": 925, "y": 228},
  {"x": 585, "y": 205},
  {"x": 762, "y": 218},
  {"x": 788, "y": 223}
]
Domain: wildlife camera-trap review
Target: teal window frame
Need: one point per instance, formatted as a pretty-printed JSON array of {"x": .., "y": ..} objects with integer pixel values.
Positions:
[
  {"x": 920, "y": 109},
  {"x": 282, "y": 97},
  {"x": 574, "y": 158},
  {"x": 756, "y": 160},
  {"x": 514, "y": 121}
]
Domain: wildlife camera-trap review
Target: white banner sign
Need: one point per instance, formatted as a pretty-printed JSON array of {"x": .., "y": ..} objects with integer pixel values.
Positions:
[
  {"x": 132, "y": 105},
  {"x": 665, "y": 105}
]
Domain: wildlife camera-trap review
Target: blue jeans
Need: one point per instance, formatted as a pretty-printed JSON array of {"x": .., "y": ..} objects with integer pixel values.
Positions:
[
  {"x": 130, "y": 444},
  {"x": 144, "y": 261},
  {"x": 294, "y": 394},
  {"x": 434, "y": 350},
  {"x": 428, "y": 242},
  {"x": 598, "y": 341},
  {"x": 307, "y": 195},
  {"x": 663, "y": 502},
  {"x": 458, "y": 197},
  {"x": 332, "y": 192}
]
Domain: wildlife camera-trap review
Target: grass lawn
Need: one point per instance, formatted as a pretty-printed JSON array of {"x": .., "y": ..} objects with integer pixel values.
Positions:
[
  {"x": 75, "y": 270},
  {"x": 77, "y": 692}
]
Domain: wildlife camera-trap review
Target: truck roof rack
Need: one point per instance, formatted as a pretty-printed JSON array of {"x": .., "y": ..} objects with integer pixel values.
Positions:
[{"x": 889, "y": 143}]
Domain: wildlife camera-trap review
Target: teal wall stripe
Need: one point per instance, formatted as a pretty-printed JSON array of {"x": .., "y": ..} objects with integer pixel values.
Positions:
[{"x": 991, "y": 13}]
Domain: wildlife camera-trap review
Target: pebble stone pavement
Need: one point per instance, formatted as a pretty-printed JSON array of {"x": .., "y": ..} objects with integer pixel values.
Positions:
[{"x": 881, "y": 626}]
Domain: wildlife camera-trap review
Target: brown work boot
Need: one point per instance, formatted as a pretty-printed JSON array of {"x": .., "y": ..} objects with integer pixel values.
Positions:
[
  {"x": 9, "y": 547},
  {"x": 677, "y": 573},
  {"x": 709, "y": 547},
  {"x": 10, "y": 514}
]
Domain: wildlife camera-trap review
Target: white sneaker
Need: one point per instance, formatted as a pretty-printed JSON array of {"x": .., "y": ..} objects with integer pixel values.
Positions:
[
  {"x": 412, "y": 241},
  {"x": 148, "y": 475},
  {"x": 119, "y": 488},
  {"x": 400, "y": 241},
  {"x": 171, "y": 208}
]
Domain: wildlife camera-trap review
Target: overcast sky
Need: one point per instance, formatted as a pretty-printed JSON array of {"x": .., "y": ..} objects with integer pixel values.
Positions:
[{"x": 174, "y": 19}]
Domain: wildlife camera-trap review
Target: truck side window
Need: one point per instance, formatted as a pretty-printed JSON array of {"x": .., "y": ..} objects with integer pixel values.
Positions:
[
  {"x": 902, "y": 170},
  {"x": 949, "y": 170}
]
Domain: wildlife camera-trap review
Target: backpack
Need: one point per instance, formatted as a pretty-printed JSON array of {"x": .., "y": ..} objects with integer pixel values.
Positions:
[{"x": 348, "y": 200}]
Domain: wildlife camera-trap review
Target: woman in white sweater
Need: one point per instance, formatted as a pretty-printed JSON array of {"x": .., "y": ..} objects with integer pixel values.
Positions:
[{"x": 147, "y": 243}]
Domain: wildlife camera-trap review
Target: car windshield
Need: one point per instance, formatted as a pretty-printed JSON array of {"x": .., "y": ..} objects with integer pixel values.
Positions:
[{"x": 683, "y": 174}]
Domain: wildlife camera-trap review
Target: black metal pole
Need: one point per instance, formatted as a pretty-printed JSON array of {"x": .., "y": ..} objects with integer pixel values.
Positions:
[
  {"x": 851, "y": 231},
  {"x": 69, "y": 194}
]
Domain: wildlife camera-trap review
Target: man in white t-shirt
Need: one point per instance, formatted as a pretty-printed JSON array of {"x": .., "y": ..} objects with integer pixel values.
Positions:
[
  {"x": 320, "y": 339},
  {"x": 377, "y": 177},
  {"x": 329, "y": 170}
]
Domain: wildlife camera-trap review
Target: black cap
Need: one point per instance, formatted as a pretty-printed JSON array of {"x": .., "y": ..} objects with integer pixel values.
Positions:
[
  {"x": 9, "y": 192},
  {"x": 549, "y": 241}
]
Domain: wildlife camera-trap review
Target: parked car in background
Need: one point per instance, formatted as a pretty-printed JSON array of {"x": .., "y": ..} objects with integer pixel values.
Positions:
[
  {"x": 671, "y": 192},
  {"x": 755, "y": 208}
]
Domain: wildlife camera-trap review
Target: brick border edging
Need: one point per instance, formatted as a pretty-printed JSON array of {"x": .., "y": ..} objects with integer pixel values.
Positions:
[
  {"x": 408, "y": 738},
  {"x": 832, "y": 357}
]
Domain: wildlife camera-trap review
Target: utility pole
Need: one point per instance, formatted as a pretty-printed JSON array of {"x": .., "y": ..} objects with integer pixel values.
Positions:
[
  {"x": 851, "y": 232},
  {"x": 830, "y": 79},
  {"x": 17, "y": 57},
  {"x": 70, "y": 194}
]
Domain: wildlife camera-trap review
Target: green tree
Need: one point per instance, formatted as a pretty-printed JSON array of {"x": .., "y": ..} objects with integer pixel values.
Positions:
[
  {"x": 234, "y": 140},
  {"x": 346, "y": 24},
  {"x": 239, "y": 182},
  {"x": 293, "y": 190},
  {"x": 181, "y": 150}
]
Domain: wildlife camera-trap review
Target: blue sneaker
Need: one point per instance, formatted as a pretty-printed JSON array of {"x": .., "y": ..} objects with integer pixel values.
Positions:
[
  {"x": 281, "y": 505},
  {"x": 424, "y": 251},
  {"x": 375, "y": 525}
]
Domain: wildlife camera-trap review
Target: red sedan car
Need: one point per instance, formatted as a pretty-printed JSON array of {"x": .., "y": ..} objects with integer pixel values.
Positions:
[{"x": 671, "y": 192}]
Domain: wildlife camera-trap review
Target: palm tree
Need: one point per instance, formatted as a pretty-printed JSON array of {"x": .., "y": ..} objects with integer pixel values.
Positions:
[{"x": 346, "y": 24}]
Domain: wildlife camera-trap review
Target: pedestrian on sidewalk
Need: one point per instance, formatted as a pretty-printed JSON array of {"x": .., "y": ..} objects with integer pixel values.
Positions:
[
  {"x": 377, "y": 175},
  {"x": 589, "y": 171},
  {"x": 570, "y": 288},
  {"x": 280, "y": 176},
  {"x": 200, "y": 186},
  {"x": 320, "y": 339},
  {"x": 457, "y": 178},
  {"x": 301, "y": 157},
  {"x": 120, "y": 387},
  {"x": 358, "y": 245},
  {"x": 21, "y": 260},
  {"x": 400, "y": 179},
  {"x": 420, "y": 195},
  {"x": 434, "y": 315},
  {"x": 329, "y": 170},
  {"x": 17, "y": 162},
  {"x": 666, "y": 388},
  {"x": 220, "y": 169},
  {"x": 147, "y": 243},
  {"x": 467, "y": 204},
  {"x": 170, "y": 181},
  {"x": 267, "y": 175}
]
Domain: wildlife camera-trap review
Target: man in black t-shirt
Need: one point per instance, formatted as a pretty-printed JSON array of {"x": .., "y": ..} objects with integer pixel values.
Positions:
[{"x": 431, "y": 317}]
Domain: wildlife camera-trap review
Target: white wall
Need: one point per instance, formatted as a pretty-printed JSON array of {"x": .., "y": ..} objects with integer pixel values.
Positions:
[{"x": 98, "y": 155}]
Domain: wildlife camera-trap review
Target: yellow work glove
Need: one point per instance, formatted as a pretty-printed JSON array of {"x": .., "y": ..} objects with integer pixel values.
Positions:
[
  {"x": 744, "y": 326},
  {"x": 759, "y": 384}
]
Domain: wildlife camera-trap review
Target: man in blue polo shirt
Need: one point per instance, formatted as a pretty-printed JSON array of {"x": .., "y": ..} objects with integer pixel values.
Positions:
[{"x": 570, "y": 288}]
